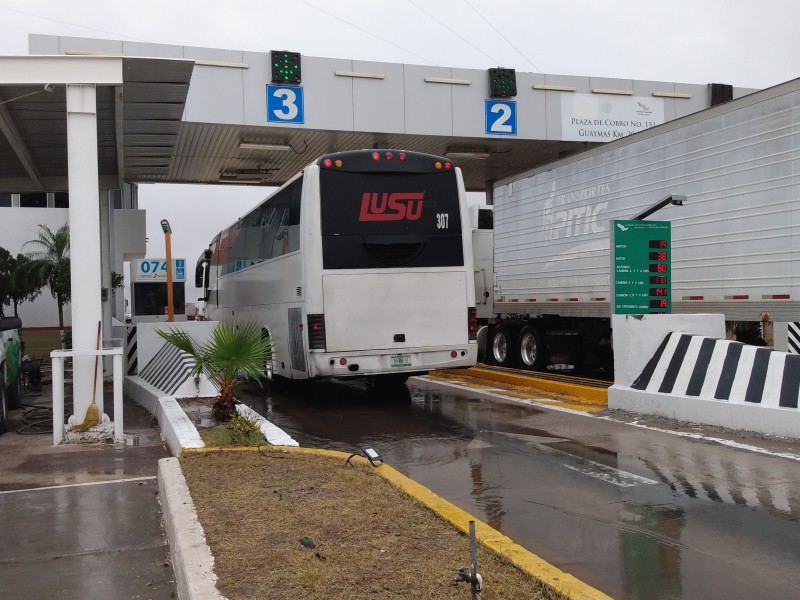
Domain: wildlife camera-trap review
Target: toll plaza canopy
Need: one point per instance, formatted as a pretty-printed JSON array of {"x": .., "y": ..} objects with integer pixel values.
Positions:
[{"x": 196, "y": 115}]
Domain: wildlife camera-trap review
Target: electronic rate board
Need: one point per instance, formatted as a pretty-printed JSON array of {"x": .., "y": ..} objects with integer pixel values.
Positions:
[{"x": 641, "y": 267}]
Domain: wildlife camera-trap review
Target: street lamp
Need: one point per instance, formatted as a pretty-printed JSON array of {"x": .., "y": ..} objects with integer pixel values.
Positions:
[
  {"x": 674, "y": 199},
  {"x": 168, "y": 243}
]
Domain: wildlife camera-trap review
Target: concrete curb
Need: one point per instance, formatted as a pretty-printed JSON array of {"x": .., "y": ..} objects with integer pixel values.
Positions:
[
  {"x": 192, "y": 560},
  {"x": 768, "y": 420},
  {"x": 274, "y": 435},
  {"x": 586, "y": 394},
  {"x": 487, "y": 536},
  {"x": 176, "y": 427}
]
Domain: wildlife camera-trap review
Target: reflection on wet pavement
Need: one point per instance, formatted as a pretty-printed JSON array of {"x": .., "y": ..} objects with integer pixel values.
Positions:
[{"x": 636, "y": 513}]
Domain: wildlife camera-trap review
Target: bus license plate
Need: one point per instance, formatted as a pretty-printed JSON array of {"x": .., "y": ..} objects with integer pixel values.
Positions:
[{"x": 401, "y": 360}]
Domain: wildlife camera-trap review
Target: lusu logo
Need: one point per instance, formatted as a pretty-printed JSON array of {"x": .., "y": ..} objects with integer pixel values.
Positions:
[{"x": 376, "y": 206}]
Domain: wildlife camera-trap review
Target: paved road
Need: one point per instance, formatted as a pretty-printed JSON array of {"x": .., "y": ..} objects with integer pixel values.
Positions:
[
  {"x": 635, "y": 512},
  {"x": 82, "y": 521}
]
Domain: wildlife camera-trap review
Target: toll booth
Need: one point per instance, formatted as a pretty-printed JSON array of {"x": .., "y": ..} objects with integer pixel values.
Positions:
[{"x": 148, "y": 278}]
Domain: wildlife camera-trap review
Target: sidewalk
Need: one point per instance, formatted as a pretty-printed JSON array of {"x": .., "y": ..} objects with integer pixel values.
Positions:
[{"x": 82, "y": 521}]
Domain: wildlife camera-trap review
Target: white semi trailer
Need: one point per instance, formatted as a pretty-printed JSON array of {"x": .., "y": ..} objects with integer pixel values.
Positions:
[{"x": 735, "y": 241}]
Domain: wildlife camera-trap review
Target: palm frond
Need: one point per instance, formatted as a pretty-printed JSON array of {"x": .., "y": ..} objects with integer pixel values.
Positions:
[
  {"x": 235, "y": 351},
  {"x": 182, "y": 341}
]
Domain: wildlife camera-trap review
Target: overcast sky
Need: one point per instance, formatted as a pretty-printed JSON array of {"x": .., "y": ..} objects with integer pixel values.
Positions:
[{"x": 740, "y": 42}]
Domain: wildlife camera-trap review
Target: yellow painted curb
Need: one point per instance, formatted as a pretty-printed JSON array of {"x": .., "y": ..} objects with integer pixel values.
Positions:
[
  {"x": 586, "y": 394},
  {"x": 487, "y": 536}
]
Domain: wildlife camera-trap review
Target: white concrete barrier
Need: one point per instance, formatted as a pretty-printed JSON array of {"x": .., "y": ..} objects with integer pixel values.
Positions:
[
  {"x": 717, "y": 382},
  {"x": 637, "y": 337}
]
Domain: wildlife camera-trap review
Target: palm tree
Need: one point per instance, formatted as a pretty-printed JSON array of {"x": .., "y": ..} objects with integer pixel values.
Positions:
[
  {"x": 234, "y": 353},
  {"x": 26, "y": 287},
  {"x": 50, "y": 263}
]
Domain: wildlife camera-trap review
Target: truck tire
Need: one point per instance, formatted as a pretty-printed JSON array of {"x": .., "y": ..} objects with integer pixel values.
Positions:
[
  {"x": 14, "y": 396},
  {"x": 530, "y": 348},
  {"x": 501, "y": 346},
  {"x": 3, "y": 406}
]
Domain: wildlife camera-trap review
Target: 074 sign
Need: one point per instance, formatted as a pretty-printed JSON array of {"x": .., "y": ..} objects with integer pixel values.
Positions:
[{"x": 155, "y": 269}]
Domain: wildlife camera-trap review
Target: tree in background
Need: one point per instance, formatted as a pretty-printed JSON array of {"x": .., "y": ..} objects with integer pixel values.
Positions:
[
  {"x": 50, "y": 263},
  {"x": 25, "y": 286},
  {"x": 6, "y": 278}
]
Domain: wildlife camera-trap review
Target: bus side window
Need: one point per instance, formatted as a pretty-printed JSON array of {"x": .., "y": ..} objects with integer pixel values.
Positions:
[
  {"x": 267, "y": 233},
  {"x": 293, "y": 222},
  {"x": 281, "y": 241},
  {"x": 252, "y": 237}
]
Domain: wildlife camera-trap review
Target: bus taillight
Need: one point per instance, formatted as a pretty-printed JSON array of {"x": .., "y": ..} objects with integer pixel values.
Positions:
[
  {"x": 316, "y": 332},
  {"x": 472, "y": 323}
]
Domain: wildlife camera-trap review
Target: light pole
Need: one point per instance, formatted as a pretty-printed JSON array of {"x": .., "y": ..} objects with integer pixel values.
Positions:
[
  {"x": 674, "y": 199},
  {"x": 168, "y": 243}
]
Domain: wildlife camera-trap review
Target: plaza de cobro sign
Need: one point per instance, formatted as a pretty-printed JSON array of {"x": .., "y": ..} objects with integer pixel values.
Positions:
[{"x": 599, "y": 118}]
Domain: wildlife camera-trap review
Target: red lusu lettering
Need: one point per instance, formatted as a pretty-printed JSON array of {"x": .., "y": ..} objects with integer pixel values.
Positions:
[{"x": 378, "y": 206}]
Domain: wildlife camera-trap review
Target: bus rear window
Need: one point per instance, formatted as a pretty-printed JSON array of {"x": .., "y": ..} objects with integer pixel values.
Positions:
[{"x": 375, "y": 220}]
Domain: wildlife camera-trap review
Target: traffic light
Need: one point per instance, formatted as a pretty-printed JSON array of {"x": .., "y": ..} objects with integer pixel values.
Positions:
[
  {"x": 720, "y": 92},
  {"x": 285, "y": 66},
  {"x": 502, "y": 83}
]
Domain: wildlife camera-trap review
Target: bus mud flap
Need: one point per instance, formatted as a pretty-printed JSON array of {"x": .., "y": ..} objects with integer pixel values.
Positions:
[{"x": 296, "y": 339}]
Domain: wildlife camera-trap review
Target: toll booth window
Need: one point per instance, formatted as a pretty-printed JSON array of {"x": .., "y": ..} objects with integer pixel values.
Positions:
[
  {"x": 61, "y": 199},
  {"x": 5, "y": 200},
  {"x": 33, "y": 200},
  {"x": 150, "y": 298}
]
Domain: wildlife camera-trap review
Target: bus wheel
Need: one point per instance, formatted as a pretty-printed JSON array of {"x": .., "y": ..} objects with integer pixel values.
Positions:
[
  {"x": 501, "y": 347},
  {"x": 531, "y": 351}
]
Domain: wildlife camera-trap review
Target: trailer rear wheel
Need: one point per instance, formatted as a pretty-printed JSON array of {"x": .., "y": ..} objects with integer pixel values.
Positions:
[
  {"x": 502, "y": 346},
  {"x": 531, "y": 351}
]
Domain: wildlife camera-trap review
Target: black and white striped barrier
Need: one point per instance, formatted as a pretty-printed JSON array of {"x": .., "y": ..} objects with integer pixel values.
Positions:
[
  {"x": 169, "y": 369},
  {"x": 718, "y": 382},
  {"x": 697, "y": 366},
  {"x": 131, "y": 351},
  {"x": 794, "y": 338}
]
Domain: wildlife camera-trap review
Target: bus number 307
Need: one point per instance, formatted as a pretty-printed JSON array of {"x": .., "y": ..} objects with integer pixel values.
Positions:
[{"x": 442, "y": 220}]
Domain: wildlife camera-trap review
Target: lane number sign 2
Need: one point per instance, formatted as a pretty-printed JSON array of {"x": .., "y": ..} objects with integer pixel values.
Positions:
[
  {"x": 501, "y": 117},
  {"x": 285, "y": 104}
]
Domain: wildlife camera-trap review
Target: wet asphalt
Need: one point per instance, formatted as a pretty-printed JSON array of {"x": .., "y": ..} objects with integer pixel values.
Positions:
[
  {"x": 81, "y": 521},
  {"x": 640, "y": 509}
]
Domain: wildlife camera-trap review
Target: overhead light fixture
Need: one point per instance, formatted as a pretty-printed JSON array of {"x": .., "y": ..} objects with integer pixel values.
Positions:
[
  {"x": 683, "y": 95},
  {"x": 243, "y": 182},
  {"x": 244, "y": 175},
  {"x": 555, "y": 88},
  {"x": 358, "y": 74},
  {"x": 448, "y": 80},
  {"x": 259, "y": 146},
  {"x": 612, "y": 91},
  {"x": 477, "y": 155}
]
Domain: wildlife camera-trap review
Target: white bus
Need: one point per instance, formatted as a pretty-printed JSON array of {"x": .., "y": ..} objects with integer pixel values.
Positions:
[{"x": 361, "y": 265}]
